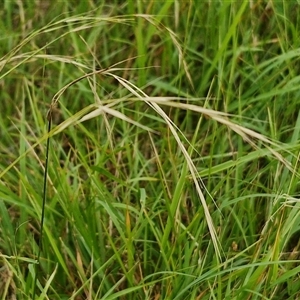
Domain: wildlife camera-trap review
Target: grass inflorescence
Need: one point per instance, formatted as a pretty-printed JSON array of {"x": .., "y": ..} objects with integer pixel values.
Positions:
[{"x": 173, "y": 163}]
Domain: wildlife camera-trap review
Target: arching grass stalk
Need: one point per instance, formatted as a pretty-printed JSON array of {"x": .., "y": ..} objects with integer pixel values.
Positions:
[{"x": 49, "y": 119}]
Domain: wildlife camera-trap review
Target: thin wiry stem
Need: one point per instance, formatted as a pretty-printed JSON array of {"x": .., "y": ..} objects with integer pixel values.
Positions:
[{"x": 49, "y": 118}]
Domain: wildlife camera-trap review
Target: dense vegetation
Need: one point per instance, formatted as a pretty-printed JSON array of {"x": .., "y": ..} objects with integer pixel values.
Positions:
[{"x": 173, "y": 160}]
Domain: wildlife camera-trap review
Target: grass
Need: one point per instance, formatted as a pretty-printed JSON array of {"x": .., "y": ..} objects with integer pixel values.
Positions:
[{"x": 173, "y": 162}]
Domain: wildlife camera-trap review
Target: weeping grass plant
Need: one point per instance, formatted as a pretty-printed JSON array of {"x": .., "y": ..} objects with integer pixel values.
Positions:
[{"x": 173, "y": 163}]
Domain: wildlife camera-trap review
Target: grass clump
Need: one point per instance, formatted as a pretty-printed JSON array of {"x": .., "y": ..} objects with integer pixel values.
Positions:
[{"x": 173, "y": 164}]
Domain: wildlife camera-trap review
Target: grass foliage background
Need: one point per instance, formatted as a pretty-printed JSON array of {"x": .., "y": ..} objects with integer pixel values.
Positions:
[{"x": 173, "y": 169}]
